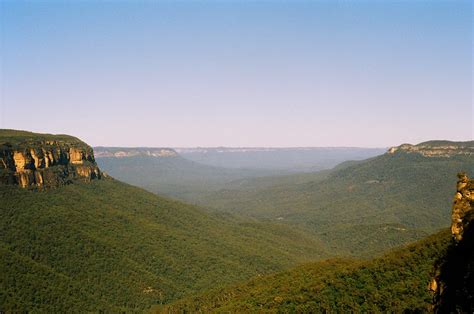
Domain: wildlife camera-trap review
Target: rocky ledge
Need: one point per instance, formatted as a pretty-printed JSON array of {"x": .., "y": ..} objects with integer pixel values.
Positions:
[
  {"x": 463, "y": 206},
  {"x": 453, "y": 282},
  {"x": 436, "y": 149},
  {"x": 33, "y": 160}
]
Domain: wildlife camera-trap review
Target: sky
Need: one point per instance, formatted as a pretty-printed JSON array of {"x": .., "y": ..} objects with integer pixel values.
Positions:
[{"x": 238, "y": 73}]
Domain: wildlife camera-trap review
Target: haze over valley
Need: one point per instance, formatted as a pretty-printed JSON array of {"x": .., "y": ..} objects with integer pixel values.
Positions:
[{"x": 190, "y": 173}]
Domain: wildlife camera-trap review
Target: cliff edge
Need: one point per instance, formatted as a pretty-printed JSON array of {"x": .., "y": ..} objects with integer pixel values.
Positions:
[
  {"x": 453, "y": 283},
  {"x": 463, "y": 207},
  {"x": 33, "y": 160},
  {"x": 436, "y": 149}
]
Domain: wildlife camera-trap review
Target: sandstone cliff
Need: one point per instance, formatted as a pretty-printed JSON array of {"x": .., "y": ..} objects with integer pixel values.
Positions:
[
  {"x": 453, "y": 283},
  {"x": 463, "y": 207},
  {"x": 436, "y": 149},
  {"x": 43, "y": 160}
]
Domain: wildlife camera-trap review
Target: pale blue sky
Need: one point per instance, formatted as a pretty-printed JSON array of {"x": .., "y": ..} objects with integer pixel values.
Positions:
[{"x": 238, "y": 73}]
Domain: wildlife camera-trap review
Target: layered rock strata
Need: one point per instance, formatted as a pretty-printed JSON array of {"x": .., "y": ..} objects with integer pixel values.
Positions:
[
  {"x": 46, "y": 163},
  {"x": 436, "y": 149},
  {"x": 462, "y": 207}
]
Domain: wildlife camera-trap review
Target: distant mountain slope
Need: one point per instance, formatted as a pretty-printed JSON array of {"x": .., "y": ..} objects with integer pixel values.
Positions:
[
  {"x": 395, "y": 283},
  {"x": 103, "y": 245},
  {"x": 400, "y": 196},
  {"x": 123, "y": 152},
  {"x": 295, "y": 159},
  {"x": 171, "y": 175},
  {"x": 407, "y": 188},
  {"x": 202, "y": 170}
]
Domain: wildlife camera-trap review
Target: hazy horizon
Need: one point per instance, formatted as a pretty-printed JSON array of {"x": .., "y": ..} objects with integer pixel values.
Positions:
[
  {"x": 238, "y": 74},
  {"x": 238, "y": 147},
  {"x": 247, "y": 147}
]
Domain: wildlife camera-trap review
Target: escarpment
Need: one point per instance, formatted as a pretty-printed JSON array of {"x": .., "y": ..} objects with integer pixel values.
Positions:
[
  {"x": 463, "y": 207},
  {"x": 436, "y": 149},
  {"x": 41, "y": 160},
  {"x": 453, "y": 284}
]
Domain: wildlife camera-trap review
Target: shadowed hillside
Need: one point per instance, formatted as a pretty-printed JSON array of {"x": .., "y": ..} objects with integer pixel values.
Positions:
[
  {"x": 454, "y": 278},
  {"x": 106, "y": 245},
  {"x": 396, "y": 282}
]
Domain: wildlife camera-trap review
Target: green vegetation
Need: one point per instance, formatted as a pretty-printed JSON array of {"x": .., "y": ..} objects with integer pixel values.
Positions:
[
  {"x": 111, "y": 247},
  {"x": 359, "y": 208},
  {"x": 15, "y": 137},
  {"x": 396, "y": 282},
  {"x": 356, "y": 201},
  {"x": 294, "y": 159},
  {"x": 206, "y": 171},
  {"x": 446, "y": 143},
  {"x": 401, "y": 188},
  {"x": 174, "y": 176},
  {"x": 114, "y": 247}
]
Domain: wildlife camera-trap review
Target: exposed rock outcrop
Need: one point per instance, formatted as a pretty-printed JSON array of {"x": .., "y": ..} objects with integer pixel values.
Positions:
[
  {"x": 453, "y": 283},
  {"x": 462, "y": 207},
  {"x": 44, "y": 161},
  {"x": 436, "y": 149}
]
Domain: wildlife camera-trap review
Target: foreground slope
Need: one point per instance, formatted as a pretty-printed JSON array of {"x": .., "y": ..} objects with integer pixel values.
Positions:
[
  {"x": 109, "y": 245},
  {"x": 396, "y": 282},
  {"x": 432, "y": 274},
  {"x": 102, "y": 245}
]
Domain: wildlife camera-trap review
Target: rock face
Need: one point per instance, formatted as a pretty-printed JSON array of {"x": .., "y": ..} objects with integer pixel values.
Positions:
[
  {"x": 44, "y": 161},
  {"x": 436, "y": 149},
  {"x": 453, "y": 283},
  {"x": 462, "y": 207}
]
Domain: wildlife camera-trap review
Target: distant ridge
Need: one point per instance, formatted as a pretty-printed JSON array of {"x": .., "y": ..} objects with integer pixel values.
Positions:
[
  {"x": 437, "y": 148},
  {"x": 352, "y": 204},
  {"x": 121, "y": 152}
]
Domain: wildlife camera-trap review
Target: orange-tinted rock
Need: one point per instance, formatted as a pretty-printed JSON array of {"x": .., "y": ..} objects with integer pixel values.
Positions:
[
  {"x": 462, "y": 205},
  {"x": 453, "y": 282},
  {"x": 46, "y": 163}
]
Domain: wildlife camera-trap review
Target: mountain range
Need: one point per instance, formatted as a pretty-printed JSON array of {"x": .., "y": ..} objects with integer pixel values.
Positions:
[
  {"x": 358, "y": 207},
  {"x": 74, "y": 238}
]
